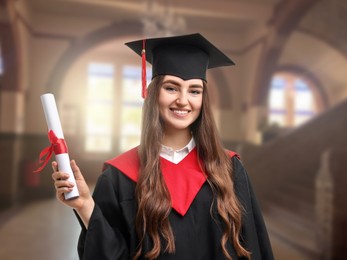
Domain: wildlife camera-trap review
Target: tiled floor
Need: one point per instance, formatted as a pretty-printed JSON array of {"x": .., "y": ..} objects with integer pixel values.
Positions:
[
  {"x": 42, "y": 230},
  {"x": 48, "y": 230}
]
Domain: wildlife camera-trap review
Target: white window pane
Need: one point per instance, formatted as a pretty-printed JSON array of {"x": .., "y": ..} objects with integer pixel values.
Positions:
[
  {"x": 277, "y": 103},
  {"x": 291, "y": 101},
  {"x": 304, "y": 101},
  {"x": 277, "y": 98},
  {"x": 303, "y": 97},
  {"x": 131, "y": 125},
  {"x": 99, "y": 109},
  {"x": 277, "y": 93},
  {"x": 131, "y": 106},
  {"x": 132, "y": 90}
]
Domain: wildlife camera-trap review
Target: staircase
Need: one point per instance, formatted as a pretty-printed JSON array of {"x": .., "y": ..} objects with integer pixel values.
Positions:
[{"x": 283, "y": 173}]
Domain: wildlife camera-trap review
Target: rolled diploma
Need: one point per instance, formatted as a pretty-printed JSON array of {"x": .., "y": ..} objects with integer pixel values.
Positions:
[{"x": 53, "y": 123}]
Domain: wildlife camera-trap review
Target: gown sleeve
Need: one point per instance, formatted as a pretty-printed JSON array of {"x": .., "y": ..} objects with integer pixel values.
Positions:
[
  {"x": 254, "y": 232},
  {"x": 104, "y": 238}
]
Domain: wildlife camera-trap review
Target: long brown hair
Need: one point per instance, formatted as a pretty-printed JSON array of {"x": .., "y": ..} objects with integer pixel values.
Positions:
[{"x": 153, "y": 198}]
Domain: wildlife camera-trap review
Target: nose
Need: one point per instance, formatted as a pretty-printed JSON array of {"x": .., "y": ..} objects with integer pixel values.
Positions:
[{"x": 182, "y": 99}]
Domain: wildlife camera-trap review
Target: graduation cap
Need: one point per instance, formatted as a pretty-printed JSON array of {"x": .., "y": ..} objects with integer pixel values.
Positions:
[{"x": 185, "y": 56}]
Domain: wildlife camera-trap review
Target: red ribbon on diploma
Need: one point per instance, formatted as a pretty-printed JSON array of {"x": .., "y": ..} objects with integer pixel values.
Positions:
[{"x": 58, "y": 146}]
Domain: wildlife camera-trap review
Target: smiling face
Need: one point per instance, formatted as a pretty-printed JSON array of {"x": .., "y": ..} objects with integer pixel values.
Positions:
[{"x": 180, "y": 102}]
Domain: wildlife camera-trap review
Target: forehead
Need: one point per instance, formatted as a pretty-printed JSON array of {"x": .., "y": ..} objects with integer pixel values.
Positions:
[{"x": 180, "y": 81}]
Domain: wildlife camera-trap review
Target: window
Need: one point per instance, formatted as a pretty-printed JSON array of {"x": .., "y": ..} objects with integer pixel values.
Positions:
[
  {"x": 304, "y": 104},
  {"x": 131, "y": 107},
  {"x": 100, "y": 107},
  {"x": 291, "y": 100},
  {"x": 277, "y": 102}
]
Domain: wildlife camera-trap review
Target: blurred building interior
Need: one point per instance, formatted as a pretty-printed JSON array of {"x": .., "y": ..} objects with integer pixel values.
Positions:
[{"x": 282, "y": 108}]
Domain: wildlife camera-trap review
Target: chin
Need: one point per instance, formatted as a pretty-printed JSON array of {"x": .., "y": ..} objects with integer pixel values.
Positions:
[{"x": 179, "y": 127}]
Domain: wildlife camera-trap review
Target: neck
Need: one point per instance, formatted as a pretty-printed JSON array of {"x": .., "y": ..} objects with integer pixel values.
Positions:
[{"x": 176, "y": 139}]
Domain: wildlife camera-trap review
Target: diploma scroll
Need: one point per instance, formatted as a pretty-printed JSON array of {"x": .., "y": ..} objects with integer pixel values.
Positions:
[{"x": 53, "y": 124}]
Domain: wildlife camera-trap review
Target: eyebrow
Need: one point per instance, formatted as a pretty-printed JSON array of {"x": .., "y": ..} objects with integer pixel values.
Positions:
[{"x": 177, "y": 84}]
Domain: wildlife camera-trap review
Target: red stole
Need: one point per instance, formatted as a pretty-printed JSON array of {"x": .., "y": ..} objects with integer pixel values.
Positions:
[{"x": 183, "y": 180}]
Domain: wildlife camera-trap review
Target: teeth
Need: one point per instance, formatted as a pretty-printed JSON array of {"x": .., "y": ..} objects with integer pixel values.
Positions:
[{"x": 181, "y": 112}]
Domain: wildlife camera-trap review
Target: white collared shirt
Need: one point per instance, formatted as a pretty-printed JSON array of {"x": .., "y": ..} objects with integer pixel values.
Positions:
[{"x": 175, "y": 156}]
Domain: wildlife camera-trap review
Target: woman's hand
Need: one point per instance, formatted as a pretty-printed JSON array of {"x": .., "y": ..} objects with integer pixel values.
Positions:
[{"x": 84, "y": 204}]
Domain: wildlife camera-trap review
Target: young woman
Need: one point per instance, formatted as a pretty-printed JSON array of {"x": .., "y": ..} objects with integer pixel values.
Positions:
[{"x": 179, "y": 194}]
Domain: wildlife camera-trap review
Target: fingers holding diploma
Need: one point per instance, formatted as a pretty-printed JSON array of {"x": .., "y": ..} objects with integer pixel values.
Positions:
[{"x": 84, "y": 204}]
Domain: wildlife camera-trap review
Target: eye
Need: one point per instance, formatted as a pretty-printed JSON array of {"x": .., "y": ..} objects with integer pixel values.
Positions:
[
  {"x": 170, "y": 88},
  {"x": 196, "y": 91}
]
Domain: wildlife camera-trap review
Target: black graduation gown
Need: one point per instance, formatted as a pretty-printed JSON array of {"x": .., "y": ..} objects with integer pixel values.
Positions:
[{"x": 111, "y": 232}]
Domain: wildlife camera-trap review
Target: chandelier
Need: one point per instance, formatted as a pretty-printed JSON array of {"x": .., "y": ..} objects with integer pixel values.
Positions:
[{"x": 161, "y": 20}]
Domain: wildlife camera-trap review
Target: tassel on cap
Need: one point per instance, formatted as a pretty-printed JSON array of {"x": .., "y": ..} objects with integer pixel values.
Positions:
[{"x": 144, "y": 76}]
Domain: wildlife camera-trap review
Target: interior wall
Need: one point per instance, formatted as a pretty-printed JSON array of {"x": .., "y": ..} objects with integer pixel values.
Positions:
[{"x": 311, "y": 53}]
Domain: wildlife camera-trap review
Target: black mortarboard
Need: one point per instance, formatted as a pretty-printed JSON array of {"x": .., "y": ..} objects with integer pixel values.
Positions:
[{"x": 185, "y": 56}]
